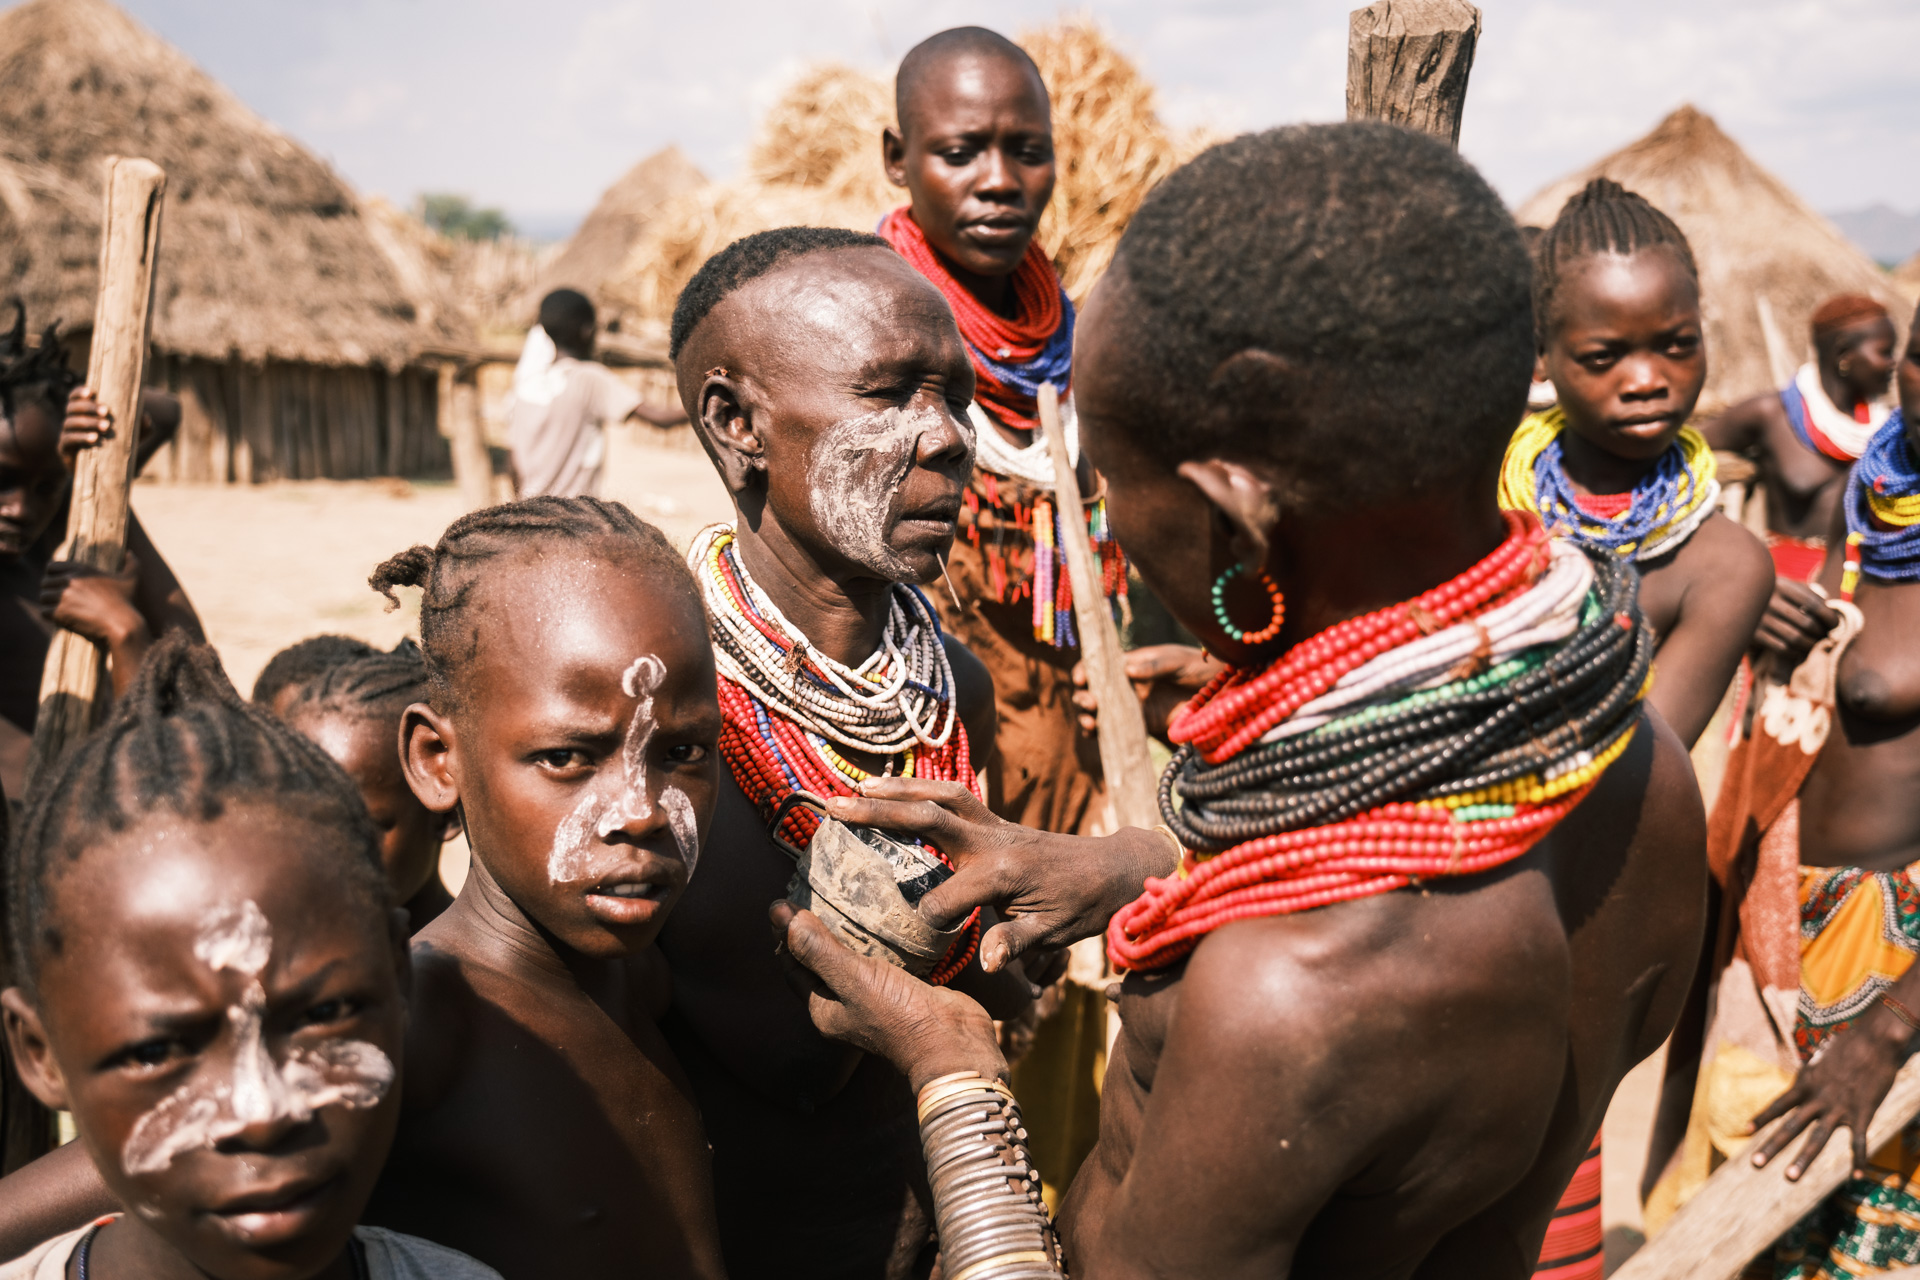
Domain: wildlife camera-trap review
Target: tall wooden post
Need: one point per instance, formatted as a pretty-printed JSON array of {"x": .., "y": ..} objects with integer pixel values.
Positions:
[
  {"x": 1125, "y": 758},
  {"x": 97, "y": 523},
  {"x": 1408, "y": 61}
]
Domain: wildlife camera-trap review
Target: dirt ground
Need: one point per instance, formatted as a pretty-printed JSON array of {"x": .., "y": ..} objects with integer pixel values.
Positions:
[{"x": 271, "y": 564}]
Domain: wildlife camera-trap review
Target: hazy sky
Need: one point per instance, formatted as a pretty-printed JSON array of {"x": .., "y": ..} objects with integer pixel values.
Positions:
[{"x": 537, "y": 105}]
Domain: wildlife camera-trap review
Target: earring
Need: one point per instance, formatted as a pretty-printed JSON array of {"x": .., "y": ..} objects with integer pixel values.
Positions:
[{"x": 1234, "y": 633}]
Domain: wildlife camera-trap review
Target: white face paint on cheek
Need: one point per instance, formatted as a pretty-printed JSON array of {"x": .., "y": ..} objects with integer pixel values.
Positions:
[
  {"x": 856, "y": 470},
  {"x": 686, "y": 828},
  {"x": 599, "y": 814},
  {"x": 257, "y": 1090}
]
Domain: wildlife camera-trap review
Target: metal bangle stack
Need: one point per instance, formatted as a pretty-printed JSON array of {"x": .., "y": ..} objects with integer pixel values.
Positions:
[{"x": 992, "y": 1223}]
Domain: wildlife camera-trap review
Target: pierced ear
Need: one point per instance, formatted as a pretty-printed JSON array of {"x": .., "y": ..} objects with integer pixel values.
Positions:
[
  {"x": 728, "y": 424},
  {"x": 427, "y": 749},
  {"x": 32, "y": 1055},
  {"x": 1245, "y": 500},
  {"x": 893, "y": 155}
]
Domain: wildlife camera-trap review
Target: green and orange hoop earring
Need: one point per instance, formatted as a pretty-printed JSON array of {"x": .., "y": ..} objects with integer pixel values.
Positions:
[{"x": 1234, "y": 633}]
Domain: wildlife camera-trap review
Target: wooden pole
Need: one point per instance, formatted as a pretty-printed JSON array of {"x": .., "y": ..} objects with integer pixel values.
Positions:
[
  {"x": 1741, "y": 1210},
  {"x": 460, "y": 422},
  {"x": 97, "y": 522},
  {"x": 1408, "y": 61},
  {"x": 1124, "y": 755}
]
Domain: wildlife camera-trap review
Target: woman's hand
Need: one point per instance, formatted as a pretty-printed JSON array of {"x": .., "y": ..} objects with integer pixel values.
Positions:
[
  {"x": 1163, "y": 675},
  {"x": 1051, "y": 890},
  {"x": 1797, "y": 618},
  {"x": 925, "y": 1032},
  {"x": 1841, "y": 1088}
]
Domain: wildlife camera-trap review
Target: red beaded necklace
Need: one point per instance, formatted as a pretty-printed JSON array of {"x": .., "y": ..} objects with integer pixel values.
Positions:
[{"x": 1242, "y": 703}]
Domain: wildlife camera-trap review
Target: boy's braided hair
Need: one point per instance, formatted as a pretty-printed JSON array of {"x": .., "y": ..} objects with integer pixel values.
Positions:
[
  {"x": 449, "y": 571},
  {"x": 183, "y": 740},
  {"x": 24, "y": 368},
  {"x": 1604, "y": 217},
  {"x": 338, "y": 673}
]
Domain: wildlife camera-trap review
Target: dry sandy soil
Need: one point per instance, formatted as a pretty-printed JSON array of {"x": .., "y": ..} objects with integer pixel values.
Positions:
[{"x": 272, "y": 564}]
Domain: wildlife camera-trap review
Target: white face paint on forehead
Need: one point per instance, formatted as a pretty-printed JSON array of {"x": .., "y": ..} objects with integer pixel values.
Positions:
[
  {"x": 255, "y": 1088},
  {"x": 601, "y": 811},
  {"x": 857, "y": 468}
]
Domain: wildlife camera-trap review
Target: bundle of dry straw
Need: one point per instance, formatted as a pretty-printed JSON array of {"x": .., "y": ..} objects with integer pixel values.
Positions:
[{"x": 816, "y": 161}]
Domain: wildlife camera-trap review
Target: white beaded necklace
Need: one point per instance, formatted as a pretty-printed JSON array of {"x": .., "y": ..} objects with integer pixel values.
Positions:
[
  {"x": 1033, "y": 463},
  {"x": 900, "y": 697}
]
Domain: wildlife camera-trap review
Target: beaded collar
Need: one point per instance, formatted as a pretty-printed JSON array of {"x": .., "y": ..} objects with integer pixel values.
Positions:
[
  {"x": 1883, "y": 510},
  {"x": 1674, "y": 498},
  {"x": 1823, "y": 426},
  {"x": 1011, "y": 357},
  {"x": 784, "y": 705},
  {"x": 1440, "y": 737}
]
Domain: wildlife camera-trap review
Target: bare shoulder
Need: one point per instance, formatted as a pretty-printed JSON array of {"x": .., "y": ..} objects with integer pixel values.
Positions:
[
  {"x": 973, "y": 692},
  {"x": 1734, "y": 565},
  {"x": 438, "y": 1016}
]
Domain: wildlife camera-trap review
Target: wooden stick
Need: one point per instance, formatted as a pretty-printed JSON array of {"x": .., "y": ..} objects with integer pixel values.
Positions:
[
  {"x": 1741, "y": 1210},
  {"x": 1124, "y": 755},
  {"x": 1408, "y": 62},
  {"x": 97, "y": 522},
  {"x": 472, "y": 465}
]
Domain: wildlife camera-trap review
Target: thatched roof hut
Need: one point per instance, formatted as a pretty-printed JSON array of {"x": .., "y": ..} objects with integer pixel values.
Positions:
[
  {"x": 815, "y": 160},
  {"x": 1767, "y": 260},
  {"x": 275, "y": 313},
  {"x": 1906, "y": 278},
  {"x": 599, "y": 249}
]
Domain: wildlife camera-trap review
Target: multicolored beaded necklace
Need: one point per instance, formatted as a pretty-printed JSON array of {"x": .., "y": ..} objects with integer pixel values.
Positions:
[
  {"x": 1010, "y": 514},
  {"x": 784, "y": 705},
  {"x": 1674, "y": 498},
  {"x": 1440, "y": 737},
  {"x": 1823, "y": 426},
  {"x": 1883, "y": 510}
]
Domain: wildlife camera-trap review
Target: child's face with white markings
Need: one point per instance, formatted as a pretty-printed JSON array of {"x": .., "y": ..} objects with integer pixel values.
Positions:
[
  {"x": 224, "y": 1016},
  {"x": 585, "y": 749}
]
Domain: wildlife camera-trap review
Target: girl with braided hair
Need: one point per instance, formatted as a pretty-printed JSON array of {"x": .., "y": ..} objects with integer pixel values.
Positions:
[
  {"x": 209, "y": 977},
  {"x": 569, "y": 719},
  {"x": 349, "y": 697}
]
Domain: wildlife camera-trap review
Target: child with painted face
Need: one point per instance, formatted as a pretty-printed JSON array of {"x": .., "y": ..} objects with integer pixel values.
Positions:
[
  {"x": 570, "y": 720},
  {"x": 226, "y": 1028},
  {"x": 349, "y": 697},
  {"x": 1614, "y": 465},
  {"x": 830, "y": 386}
]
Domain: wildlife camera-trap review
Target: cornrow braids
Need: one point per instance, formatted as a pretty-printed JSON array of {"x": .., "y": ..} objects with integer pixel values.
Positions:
[
  {"x": 1604, "y": 217},
  {"x": 449, "y": 571},
  {"x": 23, "y": 368},
  {"x": 303, "y": 663},
  {"x": 369, "y": 684},
  {"x": 182, "y": 740}
]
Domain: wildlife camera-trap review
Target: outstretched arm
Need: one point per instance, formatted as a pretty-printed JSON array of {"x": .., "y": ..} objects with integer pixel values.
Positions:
[
  {"x": 1050, "y": 890},
  {"x": 57, "y": 1193},
  {"x": 1739, "y": 429}
]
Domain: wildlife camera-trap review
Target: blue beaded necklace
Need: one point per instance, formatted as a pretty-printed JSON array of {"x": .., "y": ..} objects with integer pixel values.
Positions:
[{"x": 1883, "y": 505}]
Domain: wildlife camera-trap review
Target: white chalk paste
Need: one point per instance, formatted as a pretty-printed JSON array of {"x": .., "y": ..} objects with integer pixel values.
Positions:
[
  {"x": 600, "y": 813},
  {"x": 212, "y": 1107},
  {"x": 857, "y": 467}
]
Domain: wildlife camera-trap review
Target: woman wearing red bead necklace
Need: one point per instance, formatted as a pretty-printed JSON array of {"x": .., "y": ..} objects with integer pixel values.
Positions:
[{"x": 1441, "y": 875}]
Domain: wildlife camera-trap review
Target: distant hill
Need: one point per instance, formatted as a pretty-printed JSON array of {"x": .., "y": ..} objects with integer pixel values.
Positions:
[{"x": 1886, "y": 235}]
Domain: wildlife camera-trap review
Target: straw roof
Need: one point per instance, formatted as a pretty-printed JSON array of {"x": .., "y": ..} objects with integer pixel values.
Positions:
[
  {"x": 1906, "y": 278},
  {"x": 815, "y": 161},
  {"x": 599, "y": 248},
  {"x": 265, "y": 252},
  {"x": 1766, "y": 259}
]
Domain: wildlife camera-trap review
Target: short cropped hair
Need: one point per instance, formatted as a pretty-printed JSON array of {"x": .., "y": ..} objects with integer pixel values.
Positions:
[
  {"x": 955, "y": 42},
  {"x": 565, "y": 312},
  {"x": 749, "y": 258},
  {"x": 1377, "y": 284}
]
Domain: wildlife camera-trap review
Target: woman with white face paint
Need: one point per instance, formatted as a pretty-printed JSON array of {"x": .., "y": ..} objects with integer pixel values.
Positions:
[{"x": 225, "y": 1027}]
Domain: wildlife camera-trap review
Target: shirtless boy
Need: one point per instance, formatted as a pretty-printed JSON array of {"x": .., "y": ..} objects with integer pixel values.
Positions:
[
  {"x": 1614, "y": 465},
  {"x": 1401, "y": 1083},
  {"x": 224, "y": 1027},
  {"x": 830, "y": 388},
  {"x": 545, "y": 1128}
]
